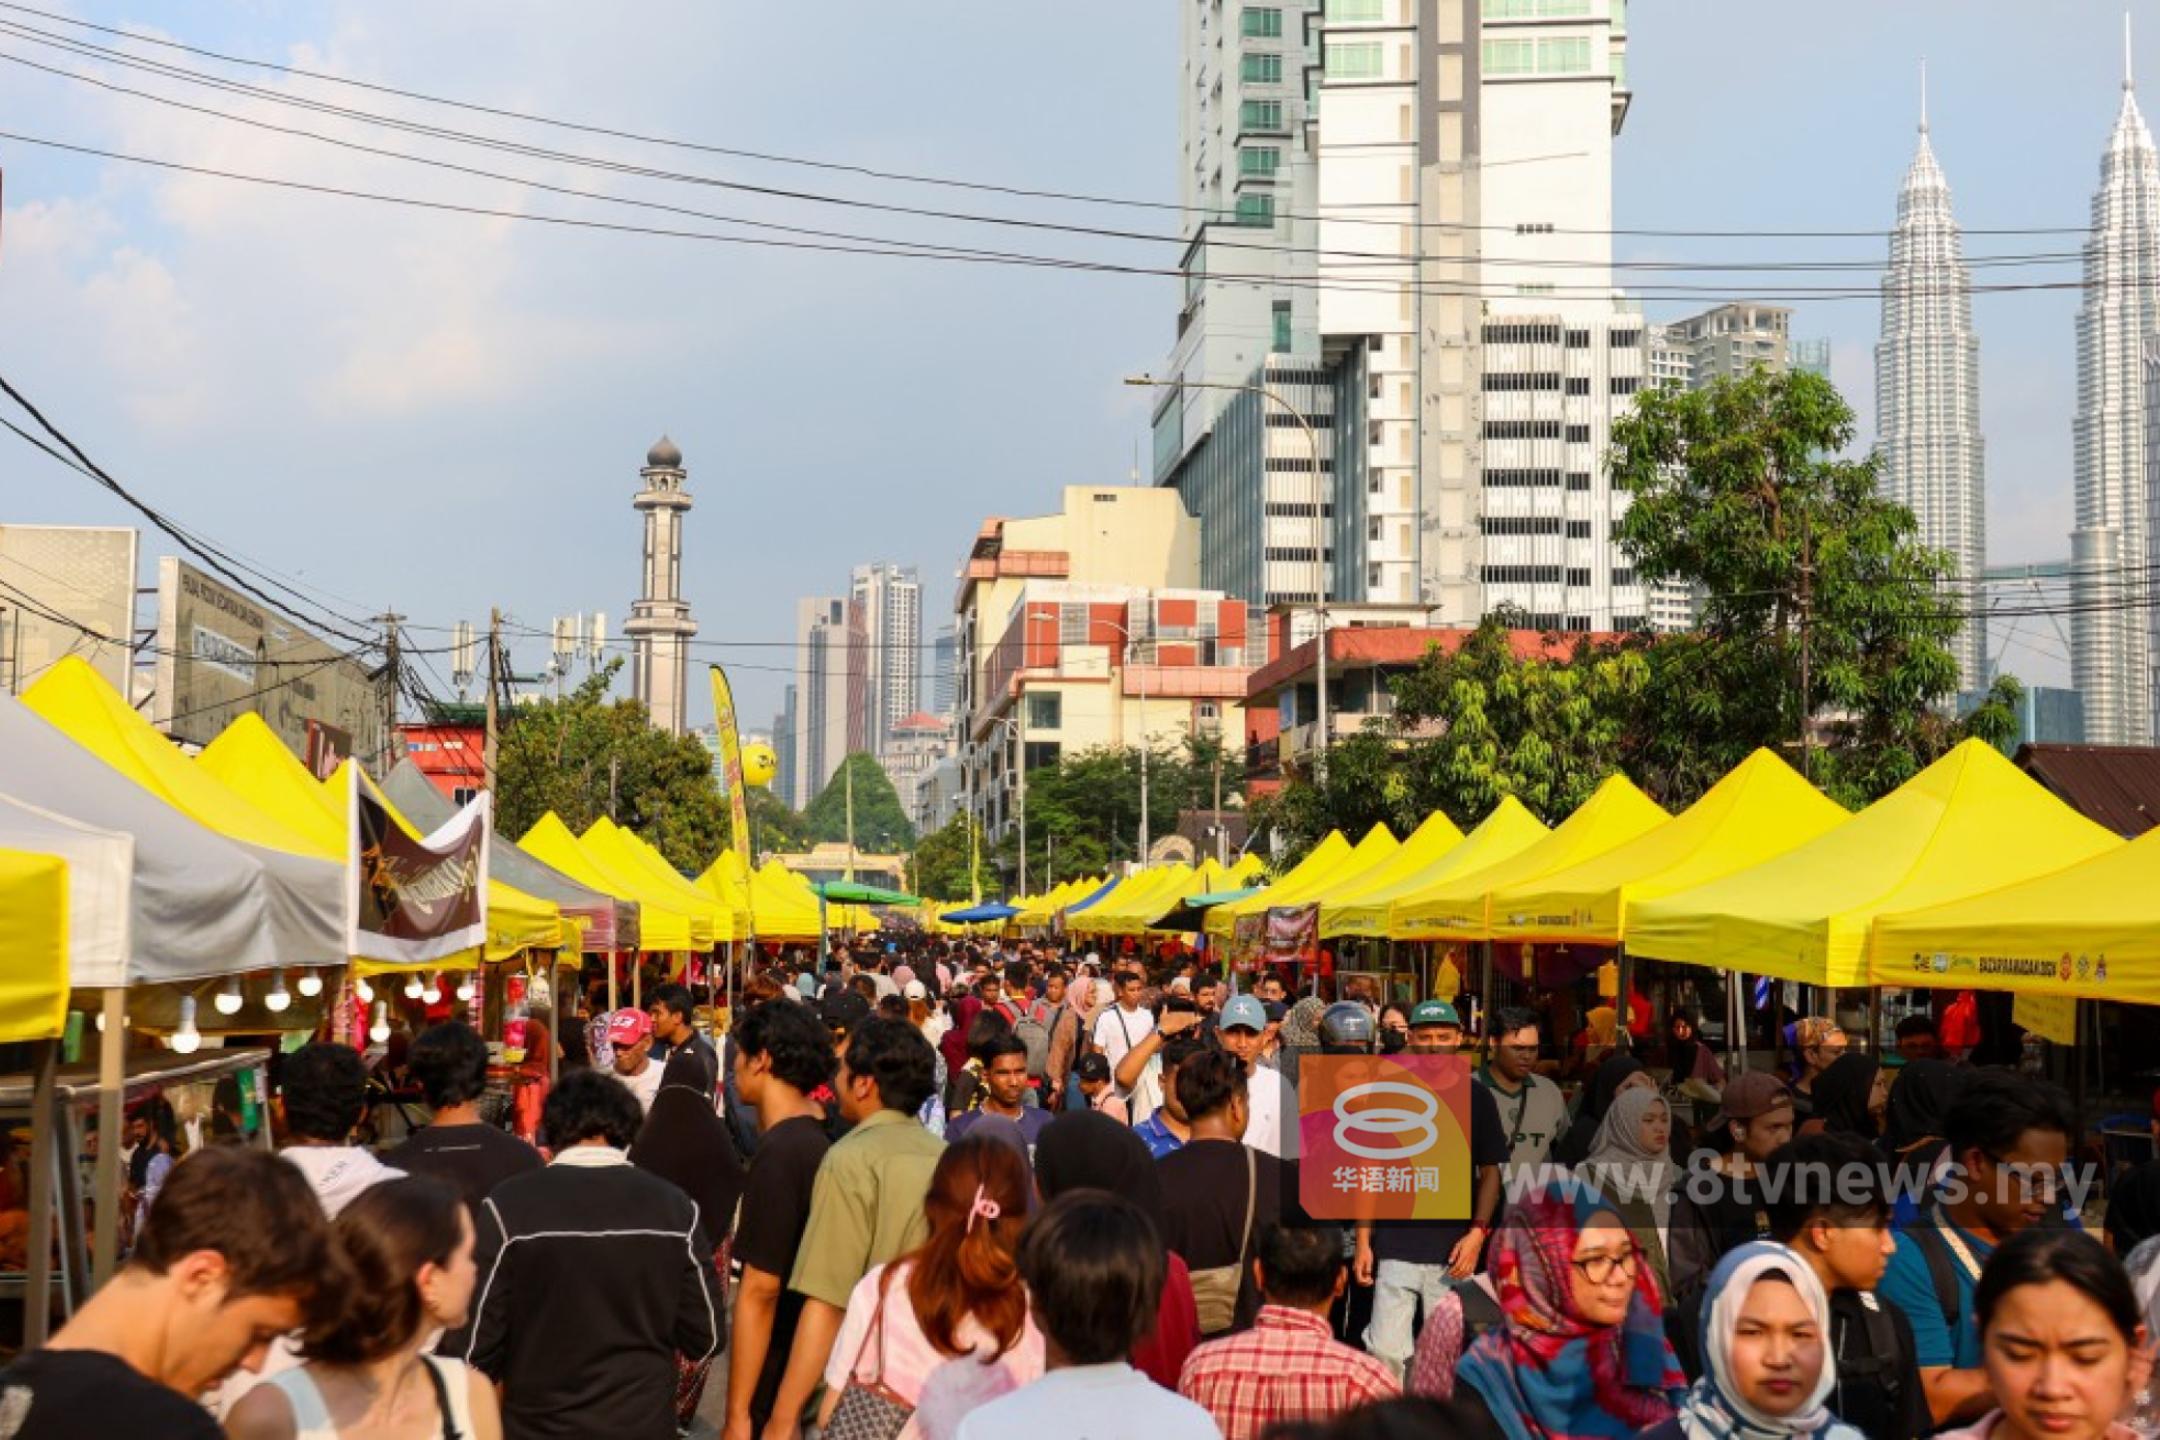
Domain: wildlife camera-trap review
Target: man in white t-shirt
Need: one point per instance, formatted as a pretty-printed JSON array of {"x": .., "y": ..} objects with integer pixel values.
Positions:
[
  {"x": 1243, "y": 1032},
  {"x": 630, "y": 1033},
  {"x": 1124, "y": 1024},
  {"x": 1532, "y": 1109}
]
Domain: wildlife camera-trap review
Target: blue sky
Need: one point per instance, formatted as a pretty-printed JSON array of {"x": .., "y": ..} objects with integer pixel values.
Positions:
[{"x": 444, "y": 413}]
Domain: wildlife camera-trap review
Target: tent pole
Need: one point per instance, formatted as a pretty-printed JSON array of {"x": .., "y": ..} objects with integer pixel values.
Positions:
[
  {"x": 112, "y": 1091},
  {"x": 44, "y": 1171},
  {"x": 613, "y": 961},
  {"x": 1485, "y": 996},
  {"x": 1874, "y": 1021}
]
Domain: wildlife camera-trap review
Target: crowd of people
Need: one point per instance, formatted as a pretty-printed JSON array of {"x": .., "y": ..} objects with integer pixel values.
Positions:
[{"x": 973, "y": 1190}]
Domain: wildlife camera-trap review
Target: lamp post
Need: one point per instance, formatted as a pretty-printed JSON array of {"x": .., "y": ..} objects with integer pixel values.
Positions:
[{"x": 1320, "y": 578}]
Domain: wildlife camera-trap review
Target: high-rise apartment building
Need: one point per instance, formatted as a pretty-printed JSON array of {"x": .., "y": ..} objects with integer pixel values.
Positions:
[
  {"x": 943, "y": 687},
  {"x": 1732, "y": 340},
  {"x": 889, "y": 598},
  {"x": 827, "y": 695},
  {"x": 783, "y": 744},
  {"x": 1448, "y": 325},
  {"x": 1927, "y": 394},
  {"x": 2111, "y": 637}
]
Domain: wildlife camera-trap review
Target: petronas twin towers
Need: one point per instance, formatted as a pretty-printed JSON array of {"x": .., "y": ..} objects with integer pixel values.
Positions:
[{"x": 1927, "y": 392}]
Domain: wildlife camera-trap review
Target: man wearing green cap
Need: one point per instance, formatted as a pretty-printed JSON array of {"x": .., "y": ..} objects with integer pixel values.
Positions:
[{"x": 1412, "y": 1263}]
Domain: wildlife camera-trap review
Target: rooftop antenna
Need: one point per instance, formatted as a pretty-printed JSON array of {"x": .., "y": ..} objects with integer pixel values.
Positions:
[
  {"x": 1923, "y": 95},
  {"x": 2129, "y": 78}
]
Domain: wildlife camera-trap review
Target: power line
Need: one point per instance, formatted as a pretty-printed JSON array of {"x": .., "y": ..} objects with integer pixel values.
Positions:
[{"x": 867, "y": 172}]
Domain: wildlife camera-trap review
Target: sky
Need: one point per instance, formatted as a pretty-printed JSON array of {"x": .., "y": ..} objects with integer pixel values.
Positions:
[{"x": 444, "y": 412}]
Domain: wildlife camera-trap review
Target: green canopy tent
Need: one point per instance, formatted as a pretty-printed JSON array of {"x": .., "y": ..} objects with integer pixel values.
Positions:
[{"x": 847, "y": 892}]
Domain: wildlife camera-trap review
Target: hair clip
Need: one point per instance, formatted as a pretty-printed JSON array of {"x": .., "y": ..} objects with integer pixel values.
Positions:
[{"x": 984, "y": 1208}]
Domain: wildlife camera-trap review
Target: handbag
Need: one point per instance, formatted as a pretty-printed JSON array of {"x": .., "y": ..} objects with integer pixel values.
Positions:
[
  {"x": 870, "y": 1410},
  {"x": 1215, "y": 1289}
]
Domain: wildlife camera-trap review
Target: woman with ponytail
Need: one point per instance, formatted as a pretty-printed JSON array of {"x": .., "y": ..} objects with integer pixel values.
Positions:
[
  {"x": 945, "y": 1328},
  {"x": 405, "y": 1260}
]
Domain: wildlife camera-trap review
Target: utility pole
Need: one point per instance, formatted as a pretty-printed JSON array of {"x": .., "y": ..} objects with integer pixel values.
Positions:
[
  {"x": 494, "y": 719},
  {"x": 1807, "y": 689},
  {"x": 1144, "y": 747},
  {"x": 614, "y": 769},
  {"x": 393, "y": 681},
  {"x": 1222, "y": 838},
  {"x": 847, "y": 772}
]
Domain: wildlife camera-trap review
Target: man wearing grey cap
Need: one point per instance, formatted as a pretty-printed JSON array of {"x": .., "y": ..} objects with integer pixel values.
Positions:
[{"x": 1242, "y": 1031}]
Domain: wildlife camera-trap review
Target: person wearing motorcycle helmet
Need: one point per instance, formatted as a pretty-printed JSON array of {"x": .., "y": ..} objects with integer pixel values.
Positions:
[{"x": 1347, "y": 1028}]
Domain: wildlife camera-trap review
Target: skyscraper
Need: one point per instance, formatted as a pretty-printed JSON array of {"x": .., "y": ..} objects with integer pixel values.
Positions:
[
  {"x": 1927, "y": 393},
  {"x": 2111, "y": 638},
  {"x": 660, "y": 626},
  {"x": 828, "y": 683},
  {"x": 889, "y": 598}
]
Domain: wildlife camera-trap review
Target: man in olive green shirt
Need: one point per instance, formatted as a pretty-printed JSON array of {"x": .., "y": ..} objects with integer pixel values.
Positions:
[{"x": 866, "y": 1207}]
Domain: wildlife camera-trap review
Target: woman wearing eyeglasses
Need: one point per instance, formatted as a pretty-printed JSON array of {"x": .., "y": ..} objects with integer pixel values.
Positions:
[
  {"x": 1767, "y": 1371},
  {"x": 1582, "y": 1349}
]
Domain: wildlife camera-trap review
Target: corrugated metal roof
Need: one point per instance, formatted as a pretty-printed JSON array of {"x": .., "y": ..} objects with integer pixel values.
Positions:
[{"x": 2113, "y": 785}]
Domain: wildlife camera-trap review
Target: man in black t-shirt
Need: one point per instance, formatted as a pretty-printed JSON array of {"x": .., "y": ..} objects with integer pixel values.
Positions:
[
  {"x": 226, "y": 1262},
  {"x": 450, "y": 1062},
  {"x": 1218, "y": 1192},
  {"x": 782, "y": 1054},
  {"x": 1412, "y": 1263},
  {"x": 1719, "y": 1205},
  {"x": 1833, "y": 1211},
  {"x": 671, "y": 1008}
]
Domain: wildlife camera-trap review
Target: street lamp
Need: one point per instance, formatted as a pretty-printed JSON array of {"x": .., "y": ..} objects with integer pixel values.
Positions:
[{"x": 1320, "y": 598}]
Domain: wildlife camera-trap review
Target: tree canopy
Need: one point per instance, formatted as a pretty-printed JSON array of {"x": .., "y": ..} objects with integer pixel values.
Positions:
[{"x": 881, "y": 825}]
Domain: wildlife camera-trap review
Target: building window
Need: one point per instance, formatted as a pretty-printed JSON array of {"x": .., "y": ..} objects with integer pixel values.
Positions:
[
  {"x": 1520, "y": 574},
  {"x": 1260, "y": 69},
  {"x": 1578, "y": 434},
  {"x": 1519, "y": 524},
  {"x": 1510, "y": 57},
  {"x": 1522, "y": 430},
  {"x": 1578, "y": 529},
  {"x": 1578, "y": 339},
  {"x": 1522, "y": 334},
  {"x": 1045, "y": 710},
  {"x": 1355, "y": 12},
  {"x": 1580, "y": 579},
  {"x": 1257, "y": 211},
  {"x": 1625, "y": 339},
  {"x": 1535, "y": 9},
  {"x": 1520, "y": 380},
  {"x": 1626, "y": 384},
  {"x": 1282, "y": 330},
  {"x": 1579, "y": 624},
  {"x": 1264, "y": 23},
  {"x": 1578, "y": 385},
  {"x": 1355, "y": 60},
  {"x": 1042, "y": 754},
  {"x": 1072, "y": 624},
  {"x": 1578, "y": 480},
  {"x": 1258, "y": 160},
  {"x": 1522, "y": 479},
  {"x": 1625, "y": 575},
  {"x": 1260, "y": 115},
  {"x": 1563, "y": 54}
]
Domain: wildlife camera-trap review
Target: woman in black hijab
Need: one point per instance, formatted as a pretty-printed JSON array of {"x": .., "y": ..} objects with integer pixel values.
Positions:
[
  {"x": 1597, "y": 1098},
  {"x": 1913, "y": 1130},
  {"x": 1087, "y": 1150},
  {"x": 1850, "y": 1096}
]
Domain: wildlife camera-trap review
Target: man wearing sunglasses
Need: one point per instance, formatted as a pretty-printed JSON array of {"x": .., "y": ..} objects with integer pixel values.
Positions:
[{"x": 2009, "y": 1139}]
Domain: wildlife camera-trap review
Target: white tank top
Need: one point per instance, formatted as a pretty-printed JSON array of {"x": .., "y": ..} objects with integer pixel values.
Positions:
[{"x": 311, "y": 1418}]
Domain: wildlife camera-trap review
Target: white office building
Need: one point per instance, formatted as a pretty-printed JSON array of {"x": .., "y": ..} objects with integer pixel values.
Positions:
[
  {"x": 889, "y": 601},
  {"x": 1927, "y": 394},
  {"x": 825, "y": 720},
  {"x": 2111, "y": 634}
]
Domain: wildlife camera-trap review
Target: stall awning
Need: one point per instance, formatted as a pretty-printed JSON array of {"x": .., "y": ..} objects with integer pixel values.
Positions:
[
  {"x": 1969, "y": 823},
  {"x": 1509, "y": 828},
  {"x": 985, "y": 914},
  {"x": 33, "y": 945},
  {"x": 662, "y": 924}
]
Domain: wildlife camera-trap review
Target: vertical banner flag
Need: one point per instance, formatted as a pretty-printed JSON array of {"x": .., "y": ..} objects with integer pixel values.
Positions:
[
  {"x": 410, "y": 901},
  {"x": 723, "y": 712}
]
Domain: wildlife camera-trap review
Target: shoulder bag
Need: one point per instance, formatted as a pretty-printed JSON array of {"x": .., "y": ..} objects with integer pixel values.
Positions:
[
  {"x": 870, "y": 1409},
  {"x": 1215, "y": 1289}
]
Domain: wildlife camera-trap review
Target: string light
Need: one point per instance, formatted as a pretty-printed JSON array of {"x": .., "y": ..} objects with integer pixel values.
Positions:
[
  {"x": 229, "y": 999},
  {"x": 311, "y": 983},
  {"x": 186, "y": 1039},
  {"x": 277, "y": 997}
]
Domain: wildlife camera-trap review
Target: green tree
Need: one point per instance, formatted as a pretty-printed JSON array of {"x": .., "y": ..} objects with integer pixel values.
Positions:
[
  {"x": 881, "y": 825},
  {"x": 773, "y": 827},
  {"x": 585, "y": 756},
  {"x": 941, "y": 864},
  {"x": 1820, "y": 613},
  {"x": 1083, "y": 813}
]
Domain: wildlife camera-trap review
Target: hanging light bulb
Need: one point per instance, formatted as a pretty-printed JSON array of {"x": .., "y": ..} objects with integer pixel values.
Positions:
[
  {"x": 412, "y": 986},
  {"x": 431, "y": 989},
  {"x": 365, "y": 991},
  {"x": 186, "y": 1039},
  {"x": 380, "y": 1030},
  {"x": 228, "y": 997},
  {"x": 277, "y": 997},
  {"x": 465, "y": 987},
  {"x": 310, "y": 983}
]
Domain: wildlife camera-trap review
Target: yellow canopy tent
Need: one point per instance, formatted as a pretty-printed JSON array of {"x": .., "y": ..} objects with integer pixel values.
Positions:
[
  {"x": 617, "y": 846},
  {"x": 1461, "y": 908},
  {"x": 2090, "y": 931},
  {"x": 663, "y": 924},
  {"x": 1041, "y": 909},
  {"x": 33, "y": 945},
  {"x": 1969, "y": 823},
  {"x": 735, "y": 917},
  {"x": 727, "y": 880},
  {"x": 1421, "y": 849},
  {"x": 248, "y": 759},
  {"x": 785, "y": 907},
  {"x": 1247, "y": 869},
  {"x": 1760, "y": 810},
  {"x": 1320, "y": 861},
  {"x": 1129, "y": 909},
  {"x": 1207, "y": 878},
  {"x": 1509, "y": 828}
]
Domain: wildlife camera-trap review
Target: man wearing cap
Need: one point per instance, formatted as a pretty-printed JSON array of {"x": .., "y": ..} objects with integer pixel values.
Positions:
[
  {"x": 629, "y": 1034},
  {"x": 1718, "y": 1206},
  {"x": 1242, "y": 1030},
  {"x": 1412, "y": 1264}
]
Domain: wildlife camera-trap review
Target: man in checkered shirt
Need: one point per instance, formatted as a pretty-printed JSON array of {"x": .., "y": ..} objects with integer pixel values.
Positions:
[{"x": 1289, "y": 1366}]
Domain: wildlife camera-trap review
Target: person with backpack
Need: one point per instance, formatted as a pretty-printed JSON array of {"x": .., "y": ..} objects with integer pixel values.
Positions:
[
  {"x": 1030, "y": 1021},
  {"x": 1832, "y": 1210},
  {"x": 2009, "y": 1139},
  {"x": 1065, "y": 998}
]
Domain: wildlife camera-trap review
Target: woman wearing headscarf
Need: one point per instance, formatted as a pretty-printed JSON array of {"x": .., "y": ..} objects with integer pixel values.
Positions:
[
  {"x": 1766, "y": 1358},
  {"x": 1621, "y": 1072},
  {"x": 1300, "y": 1035},
  {"x": 1581, "y": 1350},
  {"x": 685, "y": 1142},
  {"x": 1913, "y": 1139},
  {"x": 1081, "y": 1150},
  {"x": 1849, "y": 1098},
  {"x": 1630, "y": 1162},
  {"x": 1597, "y": 1041}
]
